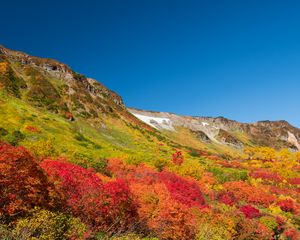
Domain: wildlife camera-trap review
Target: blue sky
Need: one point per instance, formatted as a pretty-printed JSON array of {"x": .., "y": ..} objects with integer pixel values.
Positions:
[{"x": 237, "y": 59}]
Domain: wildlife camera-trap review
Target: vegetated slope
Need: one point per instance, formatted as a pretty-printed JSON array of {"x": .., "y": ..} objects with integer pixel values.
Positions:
[{"x": 76, "y": 164}]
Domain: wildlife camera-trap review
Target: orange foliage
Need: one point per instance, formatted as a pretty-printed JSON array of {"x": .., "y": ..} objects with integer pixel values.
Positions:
[
  {"x": 32, "y": 129},
  {"x": 254, "y": 195}
]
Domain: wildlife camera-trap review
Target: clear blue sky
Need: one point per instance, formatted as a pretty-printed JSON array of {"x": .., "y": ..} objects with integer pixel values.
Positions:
[{"x": 238, "y": 59}]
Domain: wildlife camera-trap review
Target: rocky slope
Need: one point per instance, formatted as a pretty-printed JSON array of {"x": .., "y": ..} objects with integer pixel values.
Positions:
[
  {"x": 53, "y": 85},
  {"x": 276, "y": 134}
]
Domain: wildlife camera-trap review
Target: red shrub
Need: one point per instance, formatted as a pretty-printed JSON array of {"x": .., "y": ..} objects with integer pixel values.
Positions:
[
  {"x": 118, "y": 203},
  {"x": 292, "y": 234},
  {"x": 250, "y": 211},
  {"x": 227, "y": 198},
  {"x": 143, "y": 174},
  {"x": 287, "y": 205},
  {"x": 177, "y": 158},
  {"x": 23, "y": 183},
  {"x": 232, "y": 164},
  {"x": 103, "y": 206},
  {"x": 270, "y": 176},
  {"x": 250, "y": 194},
  {"x": 182, "y": 190},
  {"x": 32, "y": 129},
  {"x": 294, "y": 181},
  {"x": 291, "y": 192}
]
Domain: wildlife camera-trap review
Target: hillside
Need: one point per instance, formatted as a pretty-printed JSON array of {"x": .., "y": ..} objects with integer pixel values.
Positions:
[{"x": 76, "y": 163}]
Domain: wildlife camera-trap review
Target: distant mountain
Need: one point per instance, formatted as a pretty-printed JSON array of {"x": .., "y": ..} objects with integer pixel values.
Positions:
[{"x": 276, "y": 134}]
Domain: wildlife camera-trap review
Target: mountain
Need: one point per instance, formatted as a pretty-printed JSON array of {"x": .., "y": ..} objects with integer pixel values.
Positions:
[
  {"x": 76, "y": 163},
  {"x": 276, "y": 134},
  {"x": 76, "y": 112},
  {"x": 52, "y": 87}
]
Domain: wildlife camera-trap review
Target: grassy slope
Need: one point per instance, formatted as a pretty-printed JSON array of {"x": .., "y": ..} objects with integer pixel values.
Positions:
[{"x": 78, "y": 139}]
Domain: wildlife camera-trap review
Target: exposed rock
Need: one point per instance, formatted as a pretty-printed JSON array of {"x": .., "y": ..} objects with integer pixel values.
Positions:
[
  {"x": 201, "y": 136},
  {"x": 227, "y": 138}
]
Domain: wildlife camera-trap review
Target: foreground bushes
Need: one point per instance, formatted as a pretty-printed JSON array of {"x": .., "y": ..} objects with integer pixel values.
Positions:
[
  {"x": 54, "y": 199},
  {"x": 103, "y": 206}
]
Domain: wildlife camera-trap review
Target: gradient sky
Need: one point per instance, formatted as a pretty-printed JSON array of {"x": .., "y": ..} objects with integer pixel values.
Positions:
[{"x": 237, "y": 59}]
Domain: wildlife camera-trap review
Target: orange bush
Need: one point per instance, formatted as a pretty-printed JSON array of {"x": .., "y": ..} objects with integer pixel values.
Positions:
[{"x": 254, "y": 195}]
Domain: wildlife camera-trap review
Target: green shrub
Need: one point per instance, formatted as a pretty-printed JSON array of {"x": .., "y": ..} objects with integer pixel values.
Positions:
[
  {"x": 15, "y": 137},
  {"x": 3, "y": 132},
  {"x": 269, "y": 222},
  {"x": 46, "y": 225},
  {"x": 228, "y": 174}
]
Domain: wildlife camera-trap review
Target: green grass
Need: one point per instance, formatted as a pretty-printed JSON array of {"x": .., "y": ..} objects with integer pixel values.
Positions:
[{"x": 78, "y": 139}]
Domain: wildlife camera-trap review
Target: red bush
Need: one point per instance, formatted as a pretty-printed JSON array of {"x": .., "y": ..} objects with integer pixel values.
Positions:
[
  {"x": 292, "y": 234},
  {"x": 177, "y": 158},
  {"x": 250, "y": 211},
  {"x": 250, "y": 194},
  {"x": 103, "y": 206},
  {"x": 287, "y": 205},
  {"x": 227, "y": 198},
  {"x": 232, "y": 164},
  {"x": 182, "y": 190},
  {"x": 270, "y": 176},
  {"x": 23, "y": 183},
  {"x": 294, "y": 181},
  {"x": 32, "y": 129}
]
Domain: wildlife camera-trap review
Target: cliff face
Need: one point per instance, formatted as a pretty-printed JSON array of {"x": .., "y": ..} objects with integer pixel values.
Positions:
[{"x": 275, "y": 134}]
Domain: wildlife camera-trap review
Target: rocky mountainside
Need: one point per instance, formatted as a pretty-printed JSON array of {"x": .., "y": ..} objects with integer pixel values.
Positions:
[
  {"x": 221, "y": 130},
  {"x": 53, "y": 85}
]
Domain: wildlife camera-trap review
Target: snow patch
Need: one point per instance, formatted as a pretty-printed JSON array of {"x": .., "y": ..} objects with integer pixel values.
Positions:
[{"x": 156, "y": 122}]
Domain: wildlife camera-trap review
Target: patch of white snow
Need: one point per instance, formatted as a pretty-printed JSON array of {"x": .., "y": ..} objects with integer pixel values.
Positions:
[{"x": 156, "y": 122}]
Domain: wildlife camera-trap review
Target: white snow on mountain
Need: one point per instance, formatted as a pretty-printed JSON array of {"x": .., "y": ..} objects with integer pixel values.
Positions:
[{"x": 156, "y": 122}]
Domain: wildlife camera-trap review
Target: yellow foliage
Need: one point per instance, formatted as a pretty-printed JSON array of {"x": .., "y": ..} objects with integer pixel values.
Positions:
[
  {"x": 274, "y": 209},
  {"x": 190, "y": 167},
  {"x": 215, "y": 227},
  {"x": 3, "y": 67},
  {"x": 47, "y": 225}
]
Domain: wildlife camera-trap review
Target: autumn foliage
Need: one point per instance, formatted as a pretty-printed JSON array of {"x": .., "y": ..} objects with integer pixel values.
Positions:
[
  {"x": 186, "y": 192},
  {"x": 177, "y": 158},
  {"x": 23, "y": 184},
  {"x": 80, "y": 203},
  {"x": 104, "y": 206},
  {"x": 250, "y": 211},
  {"x": 244, "y": 192}
]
